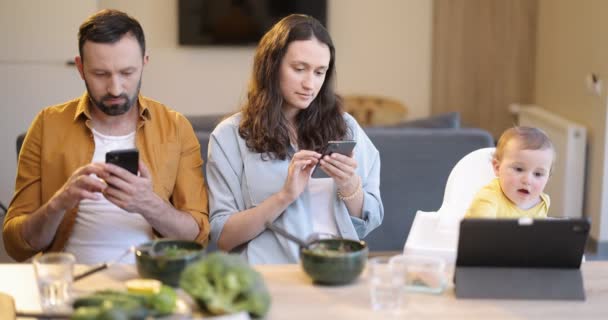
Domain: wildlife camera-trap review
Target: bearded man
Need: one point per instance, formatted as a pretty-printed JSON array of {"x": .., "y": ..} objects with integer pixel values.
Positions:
[{"x": 67, "y": 199}]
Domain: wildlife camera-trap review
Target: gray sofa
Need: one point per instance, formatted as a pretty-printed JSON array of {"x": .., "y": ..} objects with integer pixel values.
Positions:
[
  {"x": 416, "y": 159},
  {"x": 415, "y": 164}
]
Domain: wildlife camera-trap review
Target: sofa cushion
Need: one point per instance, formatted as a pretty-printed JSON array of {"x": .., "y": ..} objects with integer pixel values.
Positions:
[
  {"x": 203, "y": 139},
  {"x": 205, "y": 122},
  {"x": 415, "y": 165},
  {"x": 444, "y": 120}
]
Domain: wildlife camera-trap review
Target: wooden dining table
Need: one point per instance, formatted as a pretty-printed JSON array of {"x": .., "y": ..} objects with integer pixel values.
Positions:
[{"x": 295, "y": 296}]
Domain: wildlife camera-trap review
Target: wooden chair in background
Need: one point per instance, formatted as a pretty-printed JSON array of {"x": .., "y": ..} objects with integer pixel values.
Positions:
[{"x": 375, "y": 110}]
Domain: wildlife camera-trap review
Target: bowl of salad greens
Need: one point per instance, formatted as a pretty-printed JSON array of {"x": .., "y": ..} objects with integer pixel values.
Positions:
[
  {"x": 334, "y": 261},
  {"x": 165, "y": 259}
]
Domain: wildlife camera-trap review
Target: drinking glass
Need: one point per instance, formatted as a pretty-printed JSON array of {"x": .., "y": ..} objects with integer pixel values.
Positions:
[
  {"x": 386, "y": 283},
  {"x": 54, "y": 276}
]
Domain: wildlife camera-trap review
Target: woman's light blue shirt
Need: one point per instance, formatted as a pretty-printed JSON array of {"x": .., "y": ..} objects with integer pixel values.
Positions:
[{"x": 239, "y": 179}]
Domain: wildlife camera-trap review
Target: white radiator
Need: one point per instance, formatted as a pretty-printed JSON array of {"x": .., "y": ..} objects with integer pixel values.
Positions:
[{"x": 565, "y": 186}]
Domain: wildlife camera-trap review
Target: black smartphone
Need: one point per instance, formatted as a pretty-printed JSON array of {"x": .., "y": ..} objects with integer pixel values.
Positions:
[
  {"x": 344, "y": 147},
  {"x": 126, "y": 158}
]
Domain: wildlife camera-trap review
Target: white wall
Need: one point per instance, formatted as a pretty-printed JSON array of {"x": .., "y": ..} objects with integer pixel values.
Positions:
[
  {"x": 571, "y": 44},
  {"x": 37, "y": 37},
  {"x": 192, "y": 80},
  {"x": 383, "y": 47}
]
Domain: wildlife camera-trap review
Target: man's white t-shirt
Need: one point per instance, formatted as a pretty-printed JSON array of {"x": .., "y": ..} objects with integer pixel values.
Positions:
[{"x": 103, "y": 231}]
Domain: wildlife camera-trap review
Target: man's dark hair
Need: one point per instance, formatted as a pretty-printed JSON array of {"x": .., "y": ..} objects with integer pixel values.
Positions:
[{"x": 109, "y": 26}]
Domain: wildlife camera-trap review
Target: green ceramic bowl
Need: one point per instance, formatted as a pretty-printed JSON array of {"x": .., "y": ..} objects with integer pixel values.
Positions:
[
  {"x": 334, "y": 261},
  {"x": 165, "y": 260}
]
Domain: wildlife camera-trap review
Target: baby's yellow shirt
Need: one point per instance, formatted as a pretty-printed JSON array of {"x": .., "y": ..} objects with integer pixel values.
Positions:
[{"x": 491, "y": 202}]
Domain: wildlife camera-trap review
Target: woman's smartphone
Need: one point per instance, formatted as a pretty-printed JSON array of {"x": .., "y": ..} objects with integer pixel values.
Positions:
[
  {"x": 126, "y": 158},
  {"x": 344, "y": 147}
]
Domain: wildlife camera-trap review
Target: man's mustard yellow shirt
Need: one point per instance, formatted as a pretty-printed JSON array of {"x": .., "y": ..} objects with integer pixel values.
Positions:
[{"x": 60, "y": 140}]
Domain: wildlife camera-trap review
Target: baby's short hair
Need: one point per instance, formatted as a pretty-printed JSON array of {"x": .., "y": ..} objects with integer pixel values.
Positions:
[{"x": 529, "y": 138}]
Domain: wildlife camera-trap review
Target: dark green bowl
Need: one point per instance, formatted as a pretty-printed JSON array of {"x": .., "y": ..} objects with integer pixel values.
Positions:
[
  {"x": 337, "y": 261},
  {"x": 168, "y": 260}
]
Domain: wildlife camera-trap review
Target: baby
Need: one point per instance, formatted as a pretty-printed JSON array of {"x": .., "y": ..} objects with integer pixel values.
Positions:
[{"x": 522, "y": 164}]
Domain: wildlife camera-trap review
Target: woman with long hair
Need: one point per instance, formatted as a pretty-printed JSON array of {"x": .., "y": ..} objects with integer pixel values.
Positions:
[{"x": 261, "y": 159}]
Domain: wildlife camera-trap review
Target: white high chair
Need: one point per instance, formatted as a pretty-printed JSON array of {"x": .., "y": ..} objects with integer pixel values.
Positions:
[{"x": 436, "y": 233}]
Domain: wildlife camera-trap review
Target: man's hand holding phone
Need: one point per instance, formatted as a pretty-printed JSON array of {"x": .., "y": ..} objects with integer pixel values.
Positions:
[
  {"x": 127, "y": 159},
  {"x": 126, "y": 189},
  {"x": 81, "y": 185}
]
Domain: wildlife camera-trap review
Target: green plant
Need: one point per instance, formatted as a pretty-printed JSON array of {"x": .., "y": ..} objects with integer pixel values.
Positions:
[{"x": 224, "y": 283}]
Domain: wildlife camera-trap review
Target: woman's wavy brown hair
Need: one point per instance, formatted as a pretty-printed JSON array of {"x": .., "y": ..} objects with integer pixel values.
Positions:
[{"x": 263, "y": 125}]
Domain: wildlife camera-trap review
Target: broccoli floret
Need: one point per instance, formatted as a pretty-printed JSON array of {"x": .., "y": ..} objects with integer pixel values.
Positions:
[
  {"x": 224, "y": 283},
  {"x": 164, "y": 301}
]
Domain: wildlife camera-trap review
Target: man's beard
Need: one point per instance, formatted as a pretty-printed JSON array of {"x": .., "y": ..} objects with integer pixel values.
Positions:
[{"x": 114, "y": 110}]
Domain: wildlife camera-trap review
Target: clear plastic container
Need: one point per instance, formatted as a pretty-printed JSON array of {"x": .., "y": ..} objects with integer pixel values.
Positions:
[{"x": 426, "y": 274}]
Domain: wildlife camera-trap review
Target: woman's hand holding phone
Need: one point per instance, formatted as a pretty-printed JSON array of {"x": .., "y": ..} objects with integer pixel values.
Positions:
[
  {"x": 337, "y": 161},
  {"x": 300, "y": 168},
  {"x": 342, "y": 169}
]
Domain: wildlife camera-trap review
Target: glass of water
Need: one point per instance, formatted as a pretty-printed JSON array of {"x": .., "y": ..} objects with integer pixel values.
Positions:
[
  {"x": 54, "y": 275},
  {"x": 386, "y": 283}
]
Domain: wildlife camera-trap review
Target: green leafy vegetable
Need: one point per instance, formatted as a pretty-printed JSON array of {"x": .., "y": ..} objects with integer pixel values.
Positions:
[
  {"x": 116, "y": 305},
  {"x": 173, "y": 252},
  {"x": 224, "y": 283}
]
